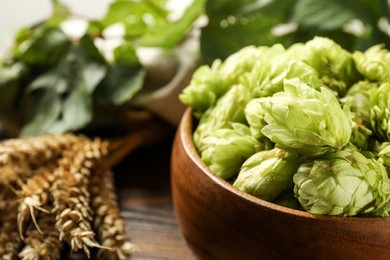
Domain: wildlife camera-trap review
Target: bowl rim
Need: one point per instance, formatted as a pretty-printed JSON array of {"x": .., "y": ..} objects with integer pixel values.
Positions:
[{"x": 185, "y": 132}]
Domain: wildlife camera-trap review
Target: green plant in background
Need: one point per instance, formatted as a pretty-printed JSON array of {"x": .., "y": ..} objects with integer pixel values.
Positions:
[
  {"x": 48, "y": 75},
  {"x": 51, "y": 82},
  {"x": 355, "y": 25}
]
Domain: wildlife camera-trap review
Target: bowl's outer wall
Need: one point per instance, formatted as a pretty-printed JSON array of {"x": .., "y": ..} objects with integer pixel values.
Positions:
[{"x": 220, "y": 222}]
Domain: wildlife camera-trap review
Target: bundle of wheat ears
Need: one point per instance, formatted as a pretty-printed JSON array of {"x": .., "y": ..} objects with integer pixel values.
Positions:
[{"x": 57, "y": 190}]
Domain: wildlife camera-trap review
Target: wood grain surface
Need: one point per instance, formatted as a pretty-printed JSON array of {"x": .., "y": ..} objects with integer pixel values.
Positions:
[{"x": 143, "y": 187}]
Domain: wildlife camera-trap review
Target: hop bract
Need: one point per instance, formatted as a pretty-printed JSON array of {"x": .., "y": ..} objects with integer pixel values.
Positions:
[
  {"x": 254, "y": 114},
  {"x": 380, "y": 111},
  {"x": 205, "y": 88},
  {"x": 358, "y": 99},
  {"x": 305, "y": 121},
  {"x": 383, "y": 153},
  {"x": 360, "y": 134},
  {"x": 345, "y": 183},
  {"x": 267, "y": 174},
  {"x": 229, "y": 108}
]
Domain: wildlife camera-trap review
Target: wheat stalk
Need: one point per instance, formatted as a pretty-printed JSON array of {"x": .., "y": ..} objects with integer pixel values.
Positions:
[
  {"x": 9, "y": 237},
  {"x": 71, "y": 196},
  {"x": 34, "y": 194},
  {"x": 42, "y": 245},
  {"x": 108, "y": 221}
]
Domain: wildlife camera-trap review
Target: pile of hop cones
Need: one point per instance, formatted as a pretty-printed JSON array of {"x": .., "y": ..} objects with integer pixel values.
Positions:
[{"x": 57, "y": 190}]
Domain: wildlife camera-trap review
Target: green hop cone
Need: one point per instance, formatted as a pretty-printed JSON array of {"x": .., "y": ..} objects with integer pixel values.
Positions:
[
  {"x": 305, "y": 121},
  {"x": 205, "y": 88},
  {"x": 358, "y": 99},
  {"x": 383, "y": 153},
  {"x": 267, "y": 76},
  {"x": 229, "y": 108},
  {"x": 241, "y": 62},
  {"x": 344, "y": 183},
  {"x": 380, "y": 111},
  {"x": 267, "y": 174},
  {"x": 374, "y": 63},
  {"x": 208, "y": 84},
  {"x": 334, "y": 64},
  {"x": 360, "y": 134},
  {"x": 224, "y": 150},
  {"x": 254, "y": 115},
  {"x": 286, "y": 68},
  {"x": 295, "y": 68},
  {"x": 260, "y": 76}
]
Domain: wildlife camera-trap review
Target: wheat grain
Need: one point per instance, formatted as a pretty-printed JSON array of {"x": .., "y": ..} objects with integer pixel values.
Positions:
[
  {"x": 71, "y": 196},
  {"x": 108, "y": 221},
  {"x": 44, "y": 245}
]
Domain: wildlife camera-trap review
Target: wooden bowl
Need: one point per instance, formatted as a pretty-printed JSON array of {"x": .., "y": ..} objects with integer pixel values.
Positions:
[{"x": 219, "y": 221}]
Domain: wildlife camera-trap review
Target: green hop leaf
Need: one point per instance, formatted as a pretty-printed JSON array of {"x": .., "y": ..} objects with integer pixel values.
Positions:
[
  {"x": 42, "y": 47},
  {"x": 67, "y": 91}
]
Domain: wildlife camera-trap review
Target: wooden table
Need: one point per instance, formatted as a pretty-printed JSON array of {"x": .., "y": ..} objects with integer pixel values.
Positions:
[{"x": 143, "y": 186}]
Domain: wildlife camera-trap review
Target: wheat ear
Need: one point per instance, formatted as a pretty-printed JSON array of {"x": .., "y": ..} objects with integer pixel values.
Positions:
[
  {"x": 43, "y": 245},
  {"x": 108, "y": 221},
  {"x": 18, "y": 157},
  {"x": 7, "y": 196},
  {"x": 71, "y": 196},
  {"x": 34, "y": 194},
  {"x": 9, "y": 236}
]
